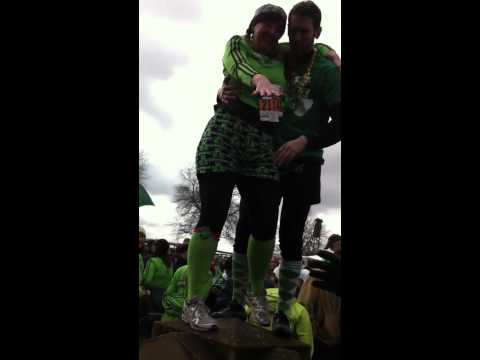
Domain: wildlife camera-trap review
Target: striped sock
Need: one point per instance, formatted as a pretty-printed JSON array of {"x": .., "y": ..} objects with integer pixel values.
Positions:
[
  {"x": 289, "y": 274},
  {"x": 201, "y": 250},
  {"x": 240, "y": 277},
  {"x": 259, "y": 254}
]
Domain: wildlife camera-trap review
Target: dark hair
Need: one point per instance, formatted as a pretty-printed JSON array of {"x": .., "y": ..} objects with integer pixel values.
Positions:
[
  {"x": 161, "y": 250},
  {"x": 263, "y": 17},
  {"x": 309, "y": 9},
  {"x": 333, "y": 239},
  {"x": 181, "y": 248}
]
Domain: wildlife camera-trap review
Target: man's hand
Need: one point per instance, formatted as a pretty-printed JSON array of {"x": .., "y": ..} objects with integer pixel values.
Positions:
[
  {"x": 263, "y": 86},
  {"x": 327, "y": 274},
  {"x": 288, "y": 151},
  {"x": 228, "y": 93}
]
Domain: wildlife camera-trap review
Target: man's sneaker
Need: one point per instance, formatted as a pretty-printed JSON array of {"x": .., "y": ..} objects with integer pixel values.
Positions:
[
  {"x": 281, "y": 325},
  {"x": 259, "y": 307},
  {"x": 195, "y": 314},
  {"x": 233, "y": 310}
]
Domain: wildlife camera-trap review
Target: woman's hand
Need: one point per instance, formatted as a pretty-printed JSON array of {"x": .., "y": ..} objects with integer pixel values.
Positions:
[{"x": 264, "y": 87}]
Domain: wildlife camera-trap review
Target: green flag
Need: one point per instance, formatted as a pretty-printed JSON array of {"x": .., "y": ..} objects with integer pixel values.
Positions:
[{"x": 143, "y": 197}]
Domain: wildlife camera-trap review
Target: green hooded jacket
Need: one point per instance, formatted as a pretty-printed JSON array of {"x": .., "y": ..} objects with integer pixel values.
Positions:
[{"x": 298, "y": 317}]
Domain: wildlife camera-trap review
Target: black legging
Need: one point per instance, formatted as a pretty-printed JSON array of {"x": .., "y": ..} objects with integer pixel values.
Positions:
[
  {"x": 299, "y": 192},
  {"x": 262, "y": 195}
]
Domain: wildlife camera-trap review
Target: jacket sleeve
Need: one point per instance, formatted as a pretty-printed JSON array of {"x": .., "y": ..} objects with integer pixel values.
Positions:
[
  {"x": 170, "y": 299},
  {"x": 327, "y": 134},
  {"x": 330, "y": 91},
  {"x": 172, "y": 287},
  {"x": 148, "y": 273},
  {"x": 235, "y": 61}
]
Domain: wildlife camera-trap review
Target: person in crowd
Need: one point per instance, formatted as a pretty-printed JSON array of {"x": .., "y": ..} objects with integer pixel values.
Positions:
[
  {"x": 158, "y": 273},
  {"x": 221, "y": 291},
  {"x": 321, "y": 296}
]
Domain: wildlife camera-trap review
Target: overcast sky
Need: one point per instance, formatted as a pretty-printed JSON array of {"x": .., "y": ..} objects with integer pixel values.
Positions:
[{"x": 181, "y": 48}]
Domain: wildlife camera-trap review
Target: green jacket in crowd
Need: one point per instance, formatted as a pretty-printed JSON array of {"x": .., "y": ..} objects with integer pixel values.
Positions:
[
  {"x": 156, "y": 274},
  {"x": 298, "y": 317}
]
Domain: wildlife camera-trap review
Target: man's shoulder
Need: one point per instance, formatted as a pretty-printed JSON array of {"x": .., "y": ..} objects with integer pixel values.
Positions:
[
  {"x": 324, "y": 64},
  {"x": 325, "y": 72}
]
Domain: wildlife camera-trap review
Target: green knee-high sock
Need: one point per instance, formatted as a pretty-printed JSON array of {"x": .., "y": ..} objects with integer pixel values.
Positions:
[
  {"x": 239, "y": 277},
  {"x": 289, "y": 274},
  {"x": 201, "y": 250},
  {"x": 259, "y": 254}
]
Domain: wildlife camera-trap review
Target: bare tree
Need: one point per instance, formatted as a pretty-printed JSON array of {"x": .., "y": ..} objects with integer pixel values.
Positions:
[
  {"x": 142, "y": 166},
  {"x": 315, "y": 236},
  {"x": 187, "y": 198}
]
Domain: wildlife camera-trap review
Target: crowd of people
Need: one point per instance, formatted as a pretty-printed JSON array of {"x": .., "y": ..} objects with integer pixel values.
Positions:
[
  {"x": 314, "y": 316},
  {"x": 278, "y": 108}
]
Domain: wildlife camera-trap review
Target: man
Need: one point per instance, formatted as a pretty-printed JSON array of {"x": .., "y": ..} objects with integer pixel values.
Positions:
[
  {"x": 180, "y": 256},
  {"x": 314, "y": 87}
]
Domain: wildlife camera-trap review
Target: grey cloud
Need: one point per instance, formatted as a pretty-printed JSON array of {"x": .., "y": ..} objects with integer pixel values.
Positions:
[
  {"x": 145, "y": 222},
  {"x": 156, "y": 63},
  {"x": 331, "y": 177},
  {"x": 156, "y": 183},
  {"x": 317, "y": 210},
  {"x": 147, "y": 104},
  {"x": 183, "y": 10}
]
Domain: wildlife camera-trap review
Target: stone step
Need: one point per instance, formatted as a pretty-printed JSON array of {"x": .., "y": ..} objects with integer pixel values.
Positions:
[{"x": 234, "y": 340}]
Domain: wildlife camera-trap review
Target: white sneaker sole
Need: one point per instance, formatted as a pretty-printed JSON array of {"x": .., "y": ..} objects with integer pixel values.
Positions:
[{"x": 198, "y": 328}]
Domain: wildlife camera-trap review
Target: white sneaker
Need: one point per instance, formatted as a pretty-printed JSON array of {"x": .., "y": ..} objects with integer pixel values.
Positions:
[
  {"x": 195, "y": 314},
  {"x": 259, "y": 306}
]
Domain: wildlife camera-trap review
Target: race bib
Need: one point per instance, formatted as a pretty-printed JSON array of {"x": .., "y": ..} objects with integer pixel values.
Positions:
[{"x": 270, "y": 108}]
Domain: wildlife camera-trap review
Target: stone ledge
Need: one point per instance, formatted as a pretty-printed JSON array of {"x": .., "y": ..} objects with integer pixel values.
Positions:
[{"x": 235, "y": 340}]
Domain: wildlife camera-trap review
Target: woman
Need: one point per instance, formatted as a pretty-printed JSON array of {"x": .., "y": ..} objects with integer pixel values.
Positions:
[
  {"x": 158, "y": 273},
  {"x": 237, "y": 148}
]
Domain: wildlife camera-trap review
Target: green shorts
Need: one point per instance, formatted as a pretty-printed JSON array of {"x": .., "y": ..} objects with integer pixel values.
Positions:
[{"x": 232, "y": 145}]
